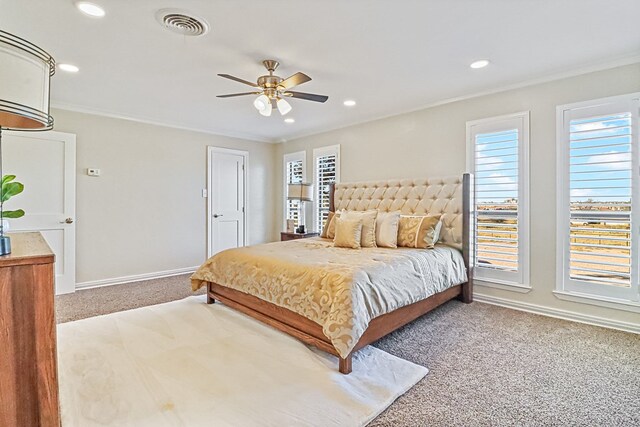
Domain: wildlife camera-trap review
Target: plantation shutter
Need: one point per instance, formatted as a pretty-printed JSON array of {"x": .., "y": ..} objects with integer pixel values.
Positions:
[
  {"x": 600, "y": 203},
  {"x": 498, "y": 153},
  {"x": 326, "y": 167},
  {"x": 497, "y": 200},
  {"x": 326, "y": 171},
  {"x": 294, "y": 170},
  {"x": 599, "y": 250}
]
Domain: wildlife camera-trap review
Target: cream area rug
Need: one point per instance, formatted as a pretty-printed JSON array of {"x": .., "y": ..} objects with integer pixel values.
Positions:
[{"x": 186, "y": 363}]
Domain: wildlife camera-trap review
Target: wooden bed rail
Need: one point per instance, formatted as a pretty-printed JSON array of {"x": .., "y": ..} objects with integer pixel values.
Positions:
[{"x": 310, "y": 332}]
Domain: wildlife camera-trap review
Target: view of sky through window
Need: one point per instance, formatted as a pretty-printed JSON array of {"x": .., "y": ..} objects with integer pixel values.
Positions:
[
  {"x": 600, "y": 181},
  {"x": 496, "y": 170}
]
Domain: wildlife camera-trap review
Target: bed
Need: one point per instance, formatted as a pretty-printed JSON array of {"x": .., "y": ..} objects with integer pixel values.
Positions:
[{"x": 341, "y": 300}]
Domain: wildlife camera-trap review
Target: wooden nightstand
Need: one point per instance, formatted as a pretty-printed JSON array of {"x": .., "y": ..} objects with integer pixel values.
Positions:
[{"x": 284, "y": 235}]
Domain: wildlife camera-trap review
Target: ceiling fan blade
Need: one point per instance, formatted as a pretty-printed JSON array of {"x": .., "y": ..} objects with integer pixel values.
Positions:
[
  {"x": 307, "y": 96},
  {"x": 238, "y": 94},
  {"x": 294, "y": 80},
  {"x": 238, "y": 79}
]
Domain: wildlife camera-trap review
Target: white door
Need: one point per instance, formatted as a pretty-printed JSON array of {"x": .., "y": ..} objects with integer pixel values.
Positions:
[
  {"x": 45, "y": 162},
  {"x": 226, "y": 193}
]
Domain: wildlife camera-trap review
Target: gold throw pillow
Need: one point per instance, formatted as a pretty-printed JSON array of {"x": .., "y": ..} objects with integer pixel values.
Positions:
[
  {"x": 368, "y": 238},
  {"x": 327, "y": 225},
  {"x": 331, "y": 228},
  {"x": 348, "y": 233},
  {"x": 418, "y": 231}
]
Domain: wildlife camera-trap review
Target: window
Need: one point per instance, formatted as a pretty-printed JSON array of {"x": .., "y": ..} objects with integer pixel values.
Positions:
[
  {"x": 294, "y": 172},
  {"x": 326, "y": 170},
  {"x": 598, "y": 198},
  {"x": 497, "y": 155}
]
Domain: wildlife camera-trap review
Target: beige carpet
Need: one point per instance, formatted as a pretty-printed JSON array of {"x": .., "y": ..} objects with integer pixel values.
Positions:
[
  {"x": 186, "y": 363},
  {"x": 489, "y": 366}
]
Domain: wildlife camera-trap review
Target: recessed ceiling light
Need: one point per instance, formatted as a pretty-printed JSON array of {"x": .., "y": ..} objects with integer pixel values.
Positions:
[
  {"x": 290, "y": 120},
  {"x": 349, "y": 102},
  {"x": 90, "y": 9},
  {"x": 68, "y": 68},
  {"x": 480, "y": 63}
]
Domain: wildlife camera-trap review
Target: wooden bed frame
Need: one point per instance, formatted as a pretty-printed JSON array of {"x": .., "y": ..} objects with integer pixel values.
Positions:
[{"x": 311, "y": 333}]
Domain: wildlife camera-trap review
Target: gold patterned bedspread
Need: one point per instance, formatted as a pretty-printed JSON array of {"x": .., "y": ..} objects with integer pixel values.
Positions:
[{"x": 340, "y": 289}]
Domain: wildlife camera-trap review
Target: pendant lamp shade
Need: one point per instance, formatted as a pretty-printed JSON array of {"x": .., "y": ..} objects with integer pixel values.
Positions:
[{"x": 25, "y": 73}]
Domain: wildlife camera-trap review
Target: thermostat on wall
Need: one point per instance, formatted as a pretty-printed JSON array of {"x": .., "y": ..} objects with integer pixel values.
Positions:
[{"x": 93, "y": 172}]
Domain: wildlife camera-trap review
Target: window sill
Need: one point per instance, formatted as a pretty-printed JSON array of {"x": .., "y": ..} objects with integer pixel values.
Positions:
[
  {"x": 614, "y": 303},
  {"x": 507, "y": 286}
]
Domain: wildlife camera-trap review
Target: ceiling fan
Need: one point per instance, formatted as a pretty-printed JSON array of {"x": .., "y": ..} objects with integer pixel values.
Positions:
[{"x": 273, "y": 90}]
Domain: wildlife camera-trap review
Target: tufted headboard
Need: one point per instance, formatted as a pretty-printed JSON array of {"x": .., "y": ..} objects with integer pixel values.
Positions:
[{"x": 410, "y": 196}]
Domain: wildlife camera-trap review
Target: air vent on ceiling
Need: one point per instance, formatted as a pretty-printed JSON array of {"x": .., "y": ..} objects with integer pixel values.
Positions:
[{"x": 182, "y": 22}]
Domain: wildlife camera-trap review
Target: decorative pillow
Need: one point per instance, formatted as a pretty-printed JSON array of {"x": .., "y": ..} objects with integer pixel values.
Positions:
[
  {"x": 419, "y": 231},
  {"x": 348, "y": 233},
  {"x": 327, "y": 225},
  {"x": 387, "y": 229},
  {"x": 368, "y": 238},
  {"x": 331, "y": 228}
]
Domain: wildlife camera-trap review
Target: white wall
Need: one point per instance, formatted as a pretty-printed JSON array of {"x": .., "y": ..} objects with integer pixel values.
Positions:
[
  {"x": 146, "y": 213},
  {"x": 432, "y": 142}
]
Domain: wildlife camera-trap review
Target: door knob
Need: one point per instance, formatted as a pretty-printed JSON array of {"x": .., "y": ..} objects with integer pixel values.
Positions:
[
  {"x": 216, "y": 215},
  {"x": 67, "y": 221}
]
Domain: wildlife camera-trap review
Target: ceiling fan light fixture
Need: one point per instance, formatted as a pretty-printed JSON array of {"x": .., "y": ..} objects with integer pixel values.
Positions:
[
  {"x": 266, "y": 111},
  {"x": 272, "y": 89},
  {"x": 283, "y": 106},
  {"x": 262, "y": 102}
]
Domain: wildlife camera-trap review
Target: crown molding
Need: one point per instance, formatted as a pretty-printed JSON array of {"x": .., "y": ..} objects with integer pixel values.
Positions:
[
  {"x": 97, "y": 112},
  {"x": 557, "y": 75}
]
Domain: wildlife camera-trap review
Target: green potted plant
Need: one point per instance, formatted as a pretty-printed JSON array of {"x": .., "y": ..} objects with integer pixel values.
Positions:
[{"x": 8, "y": 189}]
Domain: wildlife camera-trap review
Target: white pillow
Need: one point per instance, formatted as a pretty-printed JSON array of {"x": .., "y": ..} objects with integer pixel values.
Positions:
[{"x": 387, "y": 229}]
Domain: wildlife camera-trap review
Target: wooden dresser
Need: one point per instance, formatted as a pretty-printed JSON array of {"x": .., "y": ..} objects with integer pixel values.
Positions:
[{"x": 28, "y": 368}]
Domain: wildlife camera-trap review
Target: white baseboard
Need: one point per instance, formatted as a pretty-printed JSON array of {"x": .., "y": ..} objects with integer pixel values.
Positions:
[
  {"x": 134, "y": 278},
  {"x": 559, "y": 314}
]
